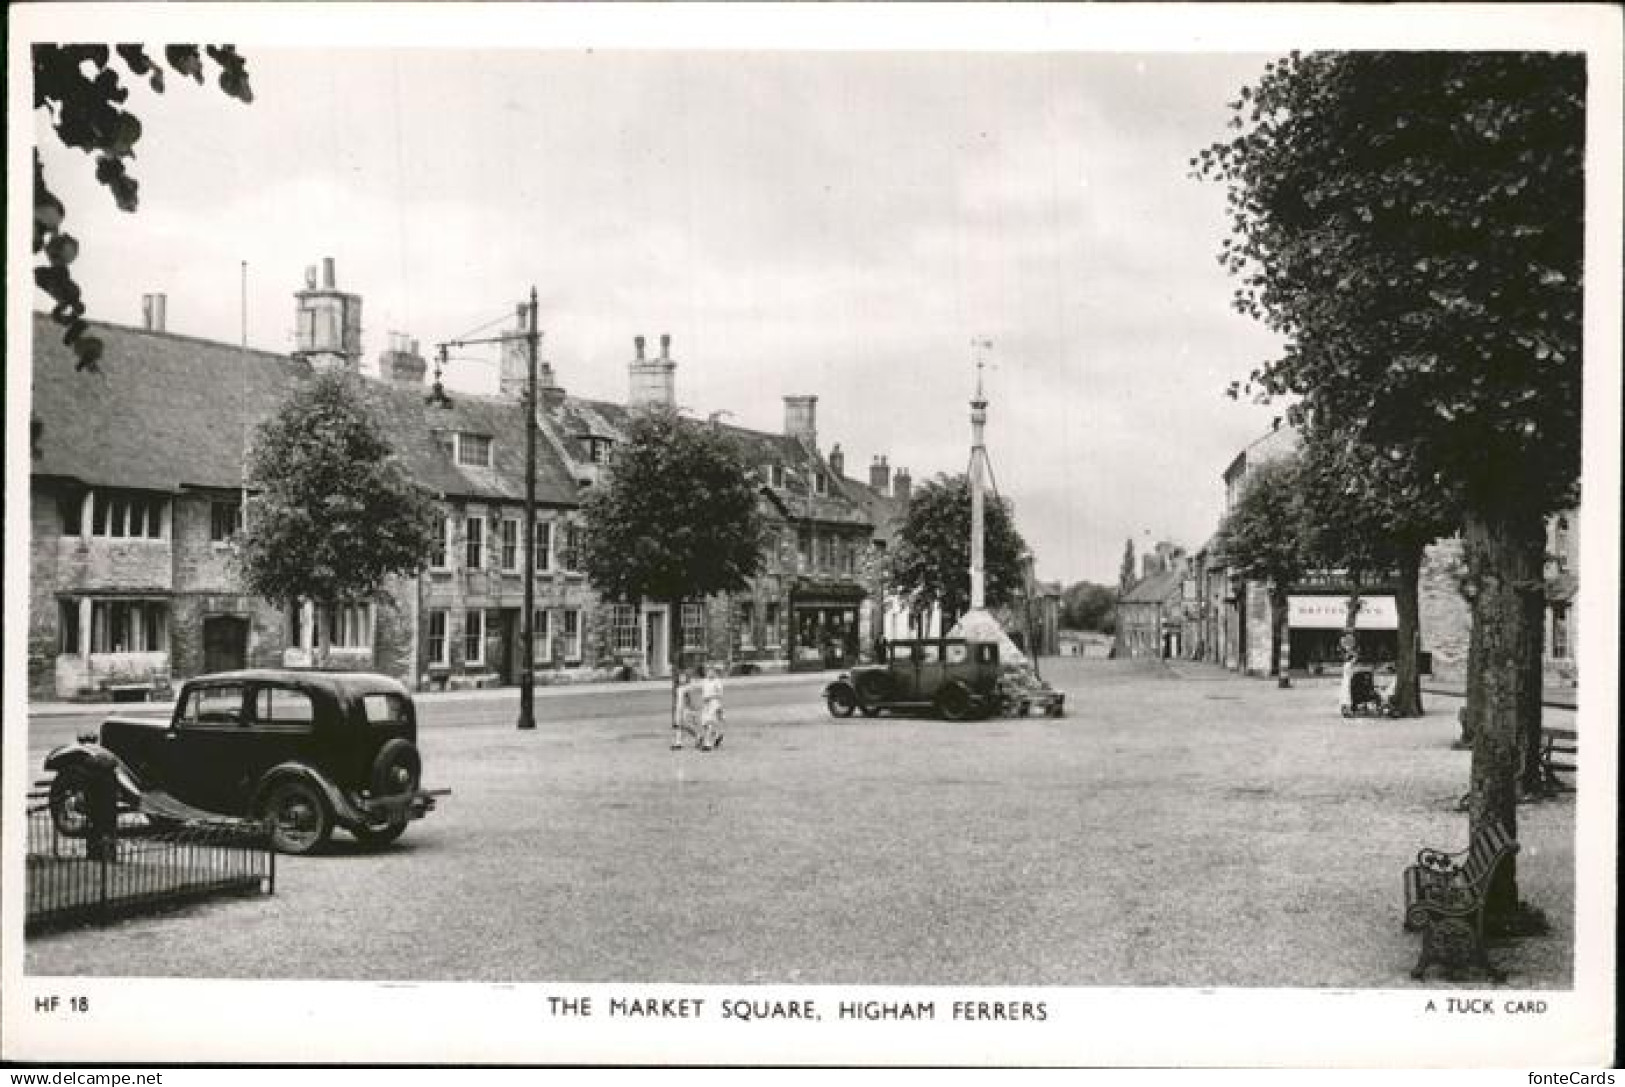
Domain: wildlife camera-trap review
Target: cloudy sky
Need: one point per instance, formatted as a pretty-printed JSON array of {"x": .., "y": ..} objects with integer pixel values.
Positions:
[{"x": 836, "y": 223}]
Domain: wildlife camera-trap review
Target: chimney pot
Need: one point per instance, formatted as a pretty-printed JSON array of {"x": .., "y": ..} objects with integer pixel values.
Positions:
[
  {"x": 665, "y": 345},
  {"x": 329, "y": 277}
]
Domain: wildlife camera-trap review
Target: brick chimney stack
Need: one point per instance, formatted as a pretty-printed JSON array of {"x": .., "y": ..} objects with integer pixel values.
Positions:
[
  {"x": 152, "y": 312},
  {"x": 880, "y": 475},
  {"x": 327, "y": 328},
  {"x": 902, "y": 484},
  {"x": 801, "y": 419},
  {"x": 654, "y": 381},
  {"x": 403, "y": 363}
]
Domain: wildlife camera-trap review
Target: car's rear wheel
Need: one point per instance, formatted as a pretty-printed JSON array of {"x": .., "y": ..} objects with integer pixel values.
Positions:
[
  {"x": 841, "y": 702},
  {"x": 298, "y": 816},
  {"x": 70, "y": 804},
  {"x": 954, "y": 702}
]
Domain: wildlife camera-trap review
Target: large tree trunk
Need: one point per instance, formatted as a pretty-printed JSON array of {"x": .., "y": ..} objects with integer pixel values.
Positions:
[
  {"x": 1505, "y": 553},
  {"x": 1408, "y": 681}
]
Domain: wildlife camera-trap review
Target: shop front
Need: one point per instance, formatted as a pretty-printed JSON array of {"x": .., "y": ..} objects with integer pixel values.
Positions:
[
  {"x": 1316, "y": 625},
  {"x": 824, "y": 625}
]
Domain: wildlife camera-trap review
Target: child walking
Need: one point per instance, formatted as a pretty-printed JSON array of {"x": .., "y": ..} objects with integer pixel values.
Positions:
[{"x": 711, "y": 710}]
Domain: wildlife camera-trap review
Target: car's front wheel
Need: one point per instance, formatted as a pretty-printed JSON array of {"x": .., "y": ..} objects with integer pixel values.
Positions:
[
  {"x": 298, "y": 816},
  {"x": 841, "y": 702}
]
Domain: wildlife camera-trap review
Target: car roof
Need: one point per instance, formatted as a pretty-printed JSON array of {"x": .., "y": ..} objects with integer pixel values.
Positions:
[{"x": 349, "y": 683}]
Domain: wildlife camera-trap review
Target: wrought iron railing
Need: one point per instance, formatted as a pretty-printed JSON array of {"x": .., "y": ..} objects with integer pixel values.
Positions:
[{"x": 140, "y": 866}]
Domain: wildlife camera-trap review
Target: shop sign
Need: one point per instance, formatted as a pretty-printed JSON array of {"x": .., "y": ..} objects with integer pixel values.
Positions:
[{"x": 1331, "y": 613}]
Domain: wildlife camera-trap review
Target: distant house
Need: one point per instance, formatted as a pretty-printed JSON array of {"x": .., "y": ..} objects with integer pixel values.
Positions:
[{"x": 1151, "y": 614}]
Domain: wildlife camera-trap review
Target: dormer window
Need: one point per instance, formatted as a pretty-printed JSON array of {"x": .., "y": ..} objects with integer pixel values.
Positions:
[
  {"x": 775, "y": 475},
  {"x": 469, "y": 450},
  {"x": 820, "y": 484},
  {"x": 474, "y": 450},
  {"x": 597, "y": 449}
]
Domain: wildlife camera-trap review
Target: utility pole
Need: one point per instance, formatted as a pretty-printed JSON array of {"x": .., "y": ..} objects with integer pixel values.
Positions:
[
  {"x": 532, "y": 336},
  {"x": 527, "y": 692}
]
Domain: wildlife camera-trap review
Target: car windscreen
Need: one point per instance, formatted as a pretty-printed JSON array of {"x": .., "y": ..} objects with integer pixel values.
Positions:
[{"x": 385, "y": 709}]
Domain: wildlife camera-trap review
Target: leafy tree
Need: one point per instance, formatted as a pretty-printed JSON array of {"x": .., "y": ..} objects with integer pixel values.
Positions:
[
  {"x": 1262, "y": 537},
  {"x": 930, "y": 564},
  {"x": 677, "y": 519},
  {"x": 81, "y": 87},
  {"x": 1412, "y": 225},
  {"x": 335, "y": 512},
  {"x": 1087, "y": 606},
  {"x": 1366, "y": 514}
]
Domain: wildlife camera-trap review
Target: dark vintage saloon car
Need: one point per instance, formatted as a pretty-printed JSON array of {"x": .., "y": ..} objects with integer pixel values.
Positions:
[
  {"x": 305, "y": 751},
  {"x": 950, "y": 676}
]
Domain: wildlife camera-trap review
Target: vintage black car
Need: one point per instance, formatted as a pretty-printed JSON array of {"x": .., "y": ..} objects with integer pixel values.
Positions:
[
  {"x": 306, "y": 751},
  {"x": 950, "y": 676}
]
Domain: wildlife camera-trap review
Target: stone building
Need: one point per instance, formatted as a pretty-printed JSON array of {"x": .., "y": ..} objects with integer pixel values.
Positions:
[
  {"x": 1236, "y": 624},
  {"x": 137, "y": 487}
]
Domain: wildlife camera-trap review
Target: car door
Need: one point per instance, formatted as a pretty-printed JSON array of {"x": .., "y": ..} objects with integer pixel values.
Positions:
[
  {"x": 199, "y": 758},
  {"x": 930, "y": 671},
  {"x": 282, "y": 728},
  {"x": 905, "y": 671}
]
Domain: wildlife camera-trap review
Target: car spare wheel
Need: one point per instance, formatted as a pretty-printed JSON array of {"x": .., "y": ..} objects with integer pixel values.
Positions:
[
  {"x": 70, "y": 806},
  {"x": 396, "y": 769},
  {"x": 299, "y": 818}
]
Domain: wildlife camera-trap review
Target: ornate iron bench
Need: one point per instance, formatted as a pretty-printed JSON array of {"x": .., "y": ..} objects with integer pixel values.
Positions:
[{"x": 1445, "y": 895}]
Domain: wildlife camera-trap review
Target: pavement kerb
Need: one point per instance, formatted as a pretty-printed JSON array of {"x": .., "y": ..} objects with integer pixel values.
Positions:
[{"x": 483, "y": 694}]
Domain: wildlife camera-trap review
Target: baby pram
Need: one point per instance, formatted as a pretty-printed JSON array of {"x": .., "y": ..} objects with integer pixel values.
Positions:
[{"x": 1362, "y": 696}]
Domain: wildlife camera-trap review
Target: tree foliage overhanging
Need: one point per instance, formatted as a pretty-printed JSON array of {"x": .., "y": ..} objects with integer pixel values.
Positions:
[
  {"x": 677, "y": 517},
  {"x": 335, "y": 513},
  {"x": 82, "y": 90},
  {"x": 930, "y": 564},
  {"x": 1412, "y": 224}
]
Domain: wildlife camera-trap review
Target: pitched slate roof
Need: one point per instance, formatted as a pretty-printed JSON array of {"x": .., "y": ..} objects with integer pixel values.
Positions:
[
  {"x": 1156, "y": 588},
  {"x": 574, "y": 419},
  {"x": 168, "y": 411},
  {"x": 886, "y": 512}
]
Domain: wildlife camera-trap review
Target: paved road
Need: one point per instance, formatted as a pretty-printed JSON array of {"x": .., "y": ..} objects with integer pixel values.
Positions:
[{"x": 1177, "y": 828}]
